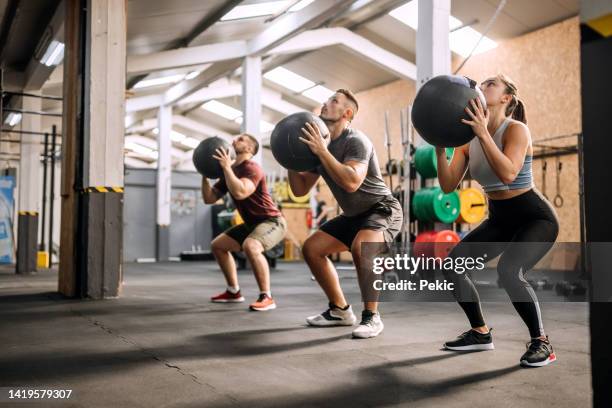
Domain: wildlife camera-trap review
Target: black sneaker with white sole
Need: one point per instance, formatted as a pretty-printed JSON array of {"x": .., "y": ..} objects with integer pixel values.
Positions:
[
  {"x": 334, "y": 316},
  {"x": 471, "y": 340},
  {"x": 371, "y": 325},
  {"x": 539, "y": 353}
]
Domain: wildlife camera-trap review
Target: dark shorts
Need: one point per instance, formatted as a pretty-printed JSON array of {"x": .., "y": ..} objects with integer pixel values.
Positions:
[
  {"x": 386, "y": 216},
  {"x": 269, "y": 232}
]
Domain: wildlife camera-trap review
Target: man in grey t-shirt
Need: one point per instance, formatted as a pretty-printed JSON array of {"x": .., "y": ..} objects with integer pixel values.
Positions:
[{"x": 370, "y": 214}]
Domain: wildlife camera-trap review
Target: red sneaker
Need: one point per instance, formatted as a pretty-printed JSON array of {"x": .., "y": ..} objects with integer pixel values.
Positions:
[
  {"x": 228, "y": 297},
  {"x": 263, "y": 303}
]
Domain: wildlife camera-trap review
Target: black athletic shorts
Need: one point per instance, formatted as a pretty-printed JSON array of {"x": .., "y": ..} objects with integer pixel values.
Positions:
[{"x": 386, "y": 216}]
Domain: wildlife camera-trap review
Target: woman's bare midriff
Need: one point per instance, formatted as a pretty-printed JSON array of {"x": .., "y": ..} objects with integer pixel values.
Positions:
[{"x": 506, "y": 194}]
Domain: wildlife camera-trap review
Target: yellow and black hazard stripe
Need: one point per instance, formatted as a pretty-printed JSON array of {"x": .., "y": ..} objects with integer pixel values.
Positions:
[
  {"x": 597, "y": 28},
  {"x": 30, "y": 213},
  {"x": 103, "y": 189}
]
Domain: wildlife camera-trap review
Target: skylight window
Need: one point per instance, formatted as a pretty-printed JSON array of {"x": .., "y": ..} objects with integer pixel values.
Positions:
[
  {"x": 190, "y": 142},
  {"x": 318, "y": 93},
  {"x": 461, "y": 41},
  {"x": 288, "y": 79},
  {"x": 222, "y": 109},
  {"x": 256, "y": 10},
  {"x": 170, "y": 79}
]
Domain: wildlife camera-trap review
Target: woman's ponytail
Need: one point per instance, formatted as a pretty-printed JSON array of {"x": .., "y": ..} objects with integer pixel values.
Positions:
[
  {"x": 518, "y": 113},
  {"x": 516, "y": 107}
]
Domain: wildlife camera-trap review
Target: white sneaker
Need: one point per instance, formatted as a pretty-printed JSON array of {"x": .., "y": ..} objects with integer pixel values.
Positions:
[
  {"x": 371, "y": 325},
  {"x": 334, "y": 316}
]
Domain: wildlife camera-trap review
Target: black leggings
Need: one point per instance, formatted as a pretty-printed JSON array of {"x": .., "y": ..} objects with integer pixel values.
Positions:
[{"x": 527, "y": 218}]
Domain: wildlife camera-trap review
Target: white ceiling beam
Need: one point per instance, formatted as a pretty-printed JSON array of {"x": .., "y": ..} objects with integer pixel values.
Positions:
[
  {"x": 226, "y": 90},
  {"x": 284, "y": 28},
  {"x": 354, "y": 43},
  {"x": 292, "y": 24},
  {"x": 269, "y": 98},
  {"x": 188, "y": 87},
  {"x": 198, "y": 127},
  {"x": 185, "y": 57},
  {"x": 141, "y": 103},
  {"x": 137, "y": 162}
]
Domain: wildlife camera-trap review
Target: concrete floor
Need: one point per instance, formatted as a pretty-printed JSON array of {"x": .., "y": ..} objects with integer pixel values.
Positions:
[{"x": 162, "y": 344}]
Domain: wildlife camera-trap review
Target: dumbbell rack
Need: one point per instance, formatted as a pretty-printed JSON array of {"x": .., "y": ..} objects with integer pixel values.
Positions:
[{"x": 410, "y": 183}]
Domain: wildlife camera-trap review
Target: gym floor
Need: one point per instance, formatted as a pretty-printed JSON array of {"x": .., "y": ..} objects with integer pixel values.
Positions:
[{"x": 163, "y": 343}]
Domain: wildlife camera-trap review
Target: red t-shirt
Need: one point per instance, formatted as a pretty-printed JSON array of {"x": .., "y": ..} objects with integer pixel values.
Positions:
[{"x": 257, "y": 207}]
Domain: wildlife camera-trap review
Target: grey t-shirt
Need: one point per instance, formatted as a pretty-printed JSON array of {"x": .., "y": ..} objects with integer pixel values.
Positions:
[{"x": 353, "y": 145}]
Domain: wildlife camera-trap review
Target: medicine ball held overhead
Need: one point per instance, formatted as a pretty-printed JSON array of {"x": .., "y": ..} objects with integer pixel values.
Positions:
[
  {"x": 203, "y": 159},
  {"x": 288, "y": 149},
  {"x": 439, "y": 107}
]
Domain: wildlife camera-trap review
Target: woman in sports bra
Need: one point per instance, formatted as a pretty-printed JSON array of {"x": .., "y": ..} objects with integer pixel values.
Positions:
[{"x": 500, "y": 158}]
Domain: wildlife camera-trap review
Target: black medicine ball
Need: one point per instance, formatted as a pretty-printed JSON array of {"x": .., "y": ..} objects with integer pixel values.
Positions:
[
  {"x": 288, "y": 150},
  {"x": 203, "y": 159},
  {"x": 439, "y": 107}
]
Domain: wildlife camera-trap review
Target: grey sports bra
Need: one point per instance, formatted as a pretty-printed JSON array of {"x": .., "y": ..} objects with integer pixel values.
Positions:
[{"x": 481, "y": 170}]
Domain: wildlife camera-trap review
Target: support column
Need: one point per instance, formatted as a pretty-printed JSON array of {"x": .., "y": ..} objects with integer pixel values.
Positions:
[
  {"x": 251, "y": 99},
  {"x": 596, "y": 86},
  {"x": 93, "y": 137},
  {"x": 164, "y": 182},
  {"x": 29, "y": 189},
  {"x": 432, "y": 50}
]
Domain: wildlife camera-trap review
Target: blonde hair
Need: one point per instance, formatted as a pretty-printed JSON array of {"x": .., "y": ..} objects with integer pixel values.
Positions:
[{"x": 516, "y": 107}]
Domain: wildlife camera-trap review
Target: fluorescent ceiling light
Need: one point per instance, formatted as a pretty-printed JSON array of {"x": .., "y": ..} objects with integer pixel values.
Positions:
[
  {"x": 192, "y": 74},
  {"x": 318, "y": 93},
  {"x": 288, "y": 79},
  {"x": 190, "y": 142},
  {"x": 138, "y": 148},
  {"x": 461, "y": 41},
  {"x": 12, "y": 119},
  {"x": 176, "y": 136},
  {"x": 300, "y": 5},
  {"x": 54, "y": 54},
  {"x": 170, "y": 79},
  {"x": 255, "y": 10},
  {"x": 222, "y": 109}
]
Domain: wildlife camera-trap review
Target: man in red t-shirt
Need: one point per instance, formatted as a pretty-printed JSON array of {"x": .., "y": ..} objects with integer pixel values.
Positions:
[{"x": 263, "y": 228}]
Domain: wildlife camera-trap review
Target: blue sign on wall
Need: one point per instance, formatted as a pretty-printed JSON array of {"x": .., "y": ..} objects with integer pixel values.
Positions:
[{"x": 7, "y": 244}]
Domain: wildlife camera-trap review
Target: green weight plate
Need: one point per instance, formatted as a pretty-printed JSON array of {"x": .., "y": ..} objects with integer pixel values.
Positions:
[
  {"x": 446, "y": 206},
  {"x": 425, "y": 160}
]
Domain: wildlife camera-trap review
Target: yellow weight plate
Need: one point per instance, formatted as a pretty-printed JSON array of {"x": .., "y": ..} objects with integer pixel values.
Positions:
[
  {"x": 473, "y": 206},
  {"x": 237, "y": 219},
  {"x": 296, "y": 199}
]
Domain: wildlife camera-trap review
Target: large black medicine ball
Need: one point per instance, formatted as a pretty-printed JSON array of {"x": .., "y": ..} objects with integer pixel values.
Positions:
[
  {"x": 287, "y": 148},
  {"x": 203, "y": 159},
  {"x": 439, "y": 107}
]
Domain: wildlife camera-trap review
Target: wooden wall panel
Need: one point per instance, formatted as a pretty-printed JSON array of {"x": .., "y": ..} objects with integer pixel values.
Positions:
[{"x": 545, "y": 64}]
